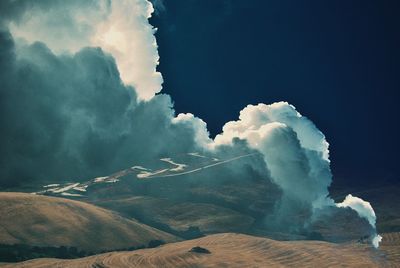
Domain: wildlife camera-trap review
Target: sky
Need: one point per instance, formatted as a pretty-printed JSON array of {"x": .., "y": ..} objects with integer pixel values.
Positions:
[
  {"x": 89, "y": 88},
  {"x": 336, "y": 61}
]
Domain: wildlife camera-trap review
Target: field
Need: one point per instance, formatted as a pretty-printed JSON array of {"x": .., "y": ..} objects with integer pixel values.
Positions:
[{"x": 238, "y": 250}]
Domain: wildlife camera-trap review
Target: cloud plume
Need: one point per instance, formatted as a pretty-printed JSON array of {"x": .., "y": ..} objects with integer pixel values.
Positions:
[{"x": 364, "y": 210}]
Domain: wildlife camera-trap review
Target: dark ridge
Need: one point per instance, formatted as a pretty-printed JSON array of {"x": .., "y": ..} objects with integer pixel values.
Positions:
[{"x": 22, "y": 252}]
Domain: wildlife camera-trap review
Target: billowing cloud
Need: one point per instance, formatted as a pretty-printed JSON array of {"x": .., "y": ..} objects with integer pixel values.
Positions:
[
  {"x": 289, "y": 140},
  {"x": 119, "y": 27},
  {"x": 201, "y": 134},
  {"x": 297, "y": 156},
  {"x": 128, "y": 36},
  {"x": 71, "y": 117},
  {"x": 71, "y": 109}
]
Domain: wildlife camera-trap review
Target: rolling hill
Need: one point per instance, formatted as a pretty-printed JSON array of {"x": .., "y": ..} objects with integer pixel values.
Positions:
[
  {"x": 50, "y": 221},
  {"x": 238, "y": 250},
  {"x": 180, "y": 216}
]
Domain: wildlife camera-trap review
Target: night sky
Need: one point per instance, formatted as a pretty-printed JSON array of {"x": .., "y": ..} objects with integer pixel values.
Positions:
[{"x": 336, "y": 61}]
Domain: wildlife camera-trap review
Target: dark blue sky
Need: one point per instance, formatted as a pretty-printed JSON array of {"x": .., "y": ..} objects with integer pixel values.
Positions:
[{"x": 336, "y": 61}]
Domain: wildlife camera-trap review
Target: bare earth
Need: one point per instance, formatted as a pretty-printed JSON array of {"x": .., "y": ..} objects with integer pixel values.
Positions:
[
  {"x": 50, "y": 221},
  {"x": 238, "y": 250}
]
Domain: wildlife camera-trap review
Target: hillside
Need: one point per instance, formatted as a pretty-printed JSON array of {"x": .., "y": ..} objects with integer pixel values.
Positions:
[
  {"x": 237, "y": 250},
  {"x": 51, "y": 221},
  {"x": 180, "y": 216}
]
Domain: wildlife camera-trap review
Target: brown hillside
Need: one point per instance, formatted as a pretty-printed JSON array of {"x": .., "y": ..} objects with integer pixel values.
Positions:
[
  {"x": 237, "y": 250},
  {"x": 50, "y": 221}
]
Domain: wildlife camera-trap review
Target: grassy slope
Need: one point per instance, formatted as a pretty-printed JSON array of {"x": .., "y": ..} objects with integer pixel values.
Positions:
[
  {"x": 237, "y": 250},
  {"x": 180, "y": 216},
  {"x": 49, "y": 221}
]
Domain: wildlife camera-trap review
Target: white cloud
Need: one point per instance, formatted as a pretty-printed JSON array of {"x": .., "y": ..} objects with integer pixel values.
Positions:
[
  {"x": 130, "y": 39},
  {"x": 294, "y": 150},
  {"x": 376, "y": 240},
  {"x": 199, "y": 127},
  {"x": 364, "y": 210},
  {"x": 120, "y": 28}
]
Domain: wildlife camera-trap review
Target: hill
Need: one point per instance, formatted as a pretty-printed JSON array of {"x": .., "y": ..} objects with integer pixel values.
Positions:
[
  {"x": 50, "y": 221},
  {"x": 238, "y": 250},
  {"x": 179, "y": 216}
]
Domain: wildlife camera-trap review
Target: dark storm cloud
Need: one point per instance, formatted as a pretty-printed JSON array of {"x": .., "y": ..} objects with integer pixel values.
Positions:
[{"x": 71, "y": 117}]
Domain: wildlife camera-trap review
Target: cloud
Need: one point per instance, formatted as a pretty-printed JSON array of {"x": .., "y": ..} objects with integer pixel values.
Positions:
[
  {"x": 128, "y": 36},
  {"x": 159, "y": 6},
  {"x": 297, "y": 155},
  {"x": 71, "y": 109},
  {"x": 295, "y": 151},
  {"x": 364, "y": 210},
  {"x": 70, "y": 117},
  {"x": 118, "y": 27},
  {"x": 199, "y": 127}
]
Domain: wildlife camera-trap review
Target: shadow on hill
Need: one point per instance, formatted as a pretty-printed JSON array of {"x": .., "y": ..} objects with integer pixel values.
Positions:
[{"x": 21, "y": 252}]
